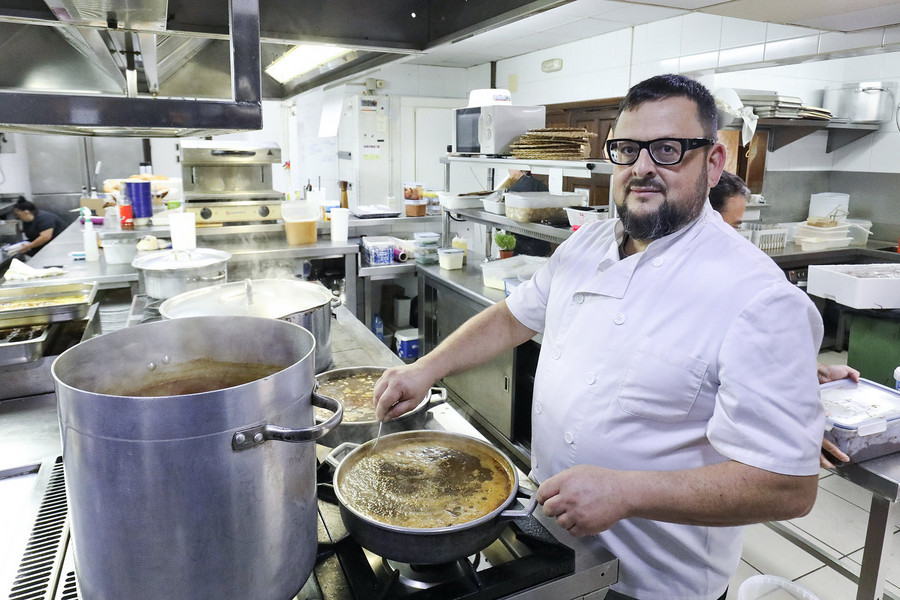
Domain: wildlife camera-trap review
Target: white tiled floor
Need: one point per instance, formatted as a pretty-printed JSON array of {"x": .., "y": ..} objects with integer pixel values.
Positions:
[{"x": 837, "y": 521}]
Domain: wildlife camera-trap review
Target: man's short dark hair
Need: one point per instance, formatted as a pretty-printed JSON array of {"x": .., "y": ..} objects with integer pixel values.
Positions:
[
  {"x": 23, "y": 204},
  {"x": 662, "y": 87},
  {"x": 729, "y": 185}
]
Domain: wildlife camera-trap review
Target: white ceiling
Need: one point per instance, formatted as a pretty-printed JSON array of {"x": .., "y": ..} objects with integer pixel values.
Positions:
[{"x": 582, "y": 19}]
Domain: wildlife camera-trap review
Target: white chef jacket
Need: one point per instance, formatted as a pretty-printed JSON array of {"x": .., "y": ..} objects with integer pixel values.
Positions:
[{"x": 692, "y": 353}]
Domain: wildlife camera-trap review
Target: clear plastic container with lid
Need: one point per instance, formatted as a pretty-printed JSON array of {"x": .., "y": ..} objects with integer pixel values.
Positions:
[
  {"x": 426, "y": 238},
  {"x": 450, "y": 258}
]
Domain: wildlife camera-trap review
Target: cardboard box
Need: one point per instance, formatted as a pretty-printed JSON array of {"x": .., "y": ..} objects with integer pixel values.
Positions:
[
  {"x": 97, "y": 205},
  {"x": 857, "y": 286}
]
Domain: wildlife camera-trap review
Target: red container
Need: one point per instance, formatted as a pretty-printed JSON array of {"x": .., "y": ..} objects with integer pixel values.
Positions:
[{"x": 126, "y": 217}]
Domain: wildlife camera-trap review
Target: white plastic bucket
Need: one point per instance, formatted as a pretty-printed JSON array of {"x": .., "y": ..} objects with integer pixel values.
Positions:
[{"x": 771, "y": 587}]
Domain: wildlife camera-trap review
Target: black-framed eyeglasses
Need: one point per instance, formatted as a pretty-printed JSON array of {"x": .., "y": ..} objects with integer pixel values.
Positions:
[{"x": 663, "y": 151}]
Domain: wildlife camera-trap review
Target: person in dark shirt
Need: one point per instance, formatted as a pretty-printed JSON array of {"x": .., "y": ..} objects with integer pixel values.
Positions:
[
  {"x": 522, "y": 181},
  {"x": 40, "y": 226}
]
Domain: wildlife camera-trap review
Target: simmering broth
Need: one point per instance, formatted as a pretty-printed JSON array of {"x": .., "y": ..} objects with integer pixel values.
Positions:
[
  {"x": 354, "y": 392},
  {"x": 192, "y": 377},
  {"x": 423, "y": 484}
]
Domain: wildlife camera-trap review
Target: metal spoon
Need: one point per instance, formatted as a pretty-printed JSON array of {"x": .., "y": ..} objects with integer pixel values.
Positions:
[{"x": 380, "y": 425}]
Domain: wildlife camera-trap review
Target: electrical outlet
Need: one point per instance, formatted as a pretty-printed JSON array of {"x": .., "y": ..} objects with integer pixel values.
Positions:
[{"x": 6, "y": 143}]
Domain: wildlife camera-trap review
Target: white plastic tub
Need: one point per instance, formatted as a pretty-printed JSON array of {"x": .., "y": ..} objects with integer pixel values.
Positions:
[
  {"x": 771, "y": 587},
  {"x": 531, "y": 207},
  {"x": 119, "y": 252},
  {"x": 522, "y": 266},
  {"x": 857, "y": 286},
  {"x": 859, "y": 231},
  {"x": 452, "y": 201},
  {"x": 579, "y": 215},
  {"x": 450, "y": 258}
]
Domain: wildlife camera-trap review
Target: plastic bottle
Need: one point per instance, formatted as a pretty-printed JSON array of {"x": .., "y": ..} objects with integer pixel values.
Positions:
[
  {"x": 458, "y": 242},
  {"x": 91, "y": 253},
  {"x": 378, "y": 327}
]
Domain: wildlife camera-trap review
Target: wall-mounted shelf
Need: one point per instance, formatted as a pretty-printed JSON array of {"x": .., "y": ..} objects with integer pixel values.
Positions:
[
  {"x": 556, "y": 169},
  {"x": 784, "y": 131}
]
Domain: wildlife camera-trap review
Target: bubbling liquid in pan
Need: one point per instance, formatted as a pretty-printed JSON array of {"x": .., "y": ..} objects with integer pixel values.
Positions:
[
  {"x": 355, "y": 395},
  {"x": 421, "y": 484}
]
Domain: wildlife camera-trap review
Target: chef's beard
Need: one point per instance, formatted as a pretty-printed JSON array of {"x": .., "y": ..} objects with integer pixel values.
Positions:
[{"x": 669, "y": 217}]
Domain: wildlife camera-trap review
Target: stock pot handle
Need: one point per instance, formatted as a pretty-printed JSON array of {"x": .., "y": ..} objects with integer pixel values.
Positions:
[
  {"x": 437, "y": 395},
  {"x": 254, "y": 436}
]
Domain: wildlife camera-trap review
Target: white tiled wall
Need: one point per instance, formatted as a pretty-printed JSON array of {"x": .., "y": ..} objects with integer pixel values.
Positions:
[{"x": 696, "y": 44}]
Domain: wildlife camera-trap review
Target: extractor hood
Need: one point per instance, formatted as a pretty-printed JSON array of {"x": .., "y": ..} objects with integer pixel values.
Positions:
[{"x": 176, "y": 68}]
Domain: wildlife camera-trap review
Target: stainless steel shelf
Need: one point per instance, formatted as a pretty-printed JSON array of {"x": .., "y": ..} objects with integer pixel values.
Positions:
[
  {"x": 570, "y": 168},
  {"x": 784, "y": 131},
  {"x": 548, "y": 233}
]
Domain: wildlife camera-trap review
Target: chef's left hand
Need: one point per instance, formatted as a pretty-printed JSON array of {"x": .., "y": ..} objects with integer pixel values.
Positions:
[{"x": 584, "y": 499}]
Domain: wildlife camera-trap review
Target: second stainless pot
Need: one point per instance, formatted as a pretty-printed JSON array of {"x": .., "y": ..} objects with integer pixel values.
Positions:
[
  {"x": 304, "y": 303},
  {"x": 362, "y": 431},
  {"x": 167, "y": 273}
]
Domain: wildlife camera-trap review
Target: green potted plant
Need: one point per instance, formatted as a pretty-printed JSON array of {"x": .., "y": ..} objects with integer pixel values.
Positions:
[{"x": 506, "y": 242}]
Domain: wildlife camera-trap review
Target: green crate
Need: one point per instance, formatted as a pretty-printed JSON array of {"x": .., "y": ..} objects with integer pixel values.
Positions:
[{"x": 874, "y": 348}]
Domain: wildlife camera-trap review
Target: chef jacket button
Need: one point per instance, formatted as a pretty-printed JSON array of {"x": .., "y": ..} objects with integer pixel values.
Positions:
[
  {"x": 658, "y": 261},
  {"x": 578, "y": 298},
  {"x": 556, "y": 353},
  {"x": 569, "y": 437},
  {"x": 590, "y": 379},
  {"x": 538, "y": 408},
  {"x": 620, "y": 318}
]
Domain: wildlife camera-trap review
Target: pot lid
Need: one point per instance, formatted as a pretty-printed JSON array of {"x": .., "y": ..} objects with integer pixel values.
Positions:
[
  {"x": 273, "y": 298},
  {"x": 167, "y": 260}
]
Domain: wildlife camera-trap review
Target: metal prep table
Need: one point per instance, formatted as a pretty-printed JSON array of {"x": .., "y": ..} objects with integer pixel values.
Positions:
[
  {"x": 881, "y": 477},
  {"x": 29, "y": 435}
]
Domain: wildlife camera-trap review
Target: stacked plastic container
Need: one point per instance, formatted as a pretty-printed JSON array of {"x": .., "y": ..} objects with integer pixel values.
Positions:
[
  {"x": 426, "y": 247},
  {"x": 379, "y": 249}
]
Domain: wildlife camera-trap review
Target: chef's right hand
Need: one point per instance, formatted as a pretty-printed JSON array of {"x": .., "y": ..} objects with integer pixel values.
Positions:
[{"x": 399, "y": 390}]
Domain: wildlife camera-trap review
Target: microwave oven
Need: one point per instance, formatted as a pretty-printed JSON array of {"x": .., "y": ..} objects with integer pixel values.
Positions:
[{"x": 491, "y": 129}]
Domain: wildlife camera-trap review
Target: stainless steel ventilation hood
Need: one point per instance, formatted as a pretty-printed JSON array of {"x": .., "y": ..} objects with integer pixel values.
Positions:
[{"x": 176, "y": 68}]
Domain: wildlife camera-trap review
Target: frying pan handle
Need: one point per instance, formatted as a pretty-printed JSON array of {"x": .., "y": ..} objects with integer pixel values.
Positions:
[
  {"x": 521, "y": 512},
  {"x": 255, "y": 436}
]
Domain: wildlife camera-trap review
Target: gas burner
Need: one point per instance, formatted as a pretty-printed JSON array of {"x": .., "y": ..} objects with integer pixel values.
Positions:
[{"x": 422, "y": 577}]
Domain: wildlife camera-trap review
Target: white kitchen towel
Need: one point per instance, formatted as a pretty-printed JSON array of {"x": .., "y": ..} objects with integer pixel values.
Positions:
[{"x": 19, "y": 271}]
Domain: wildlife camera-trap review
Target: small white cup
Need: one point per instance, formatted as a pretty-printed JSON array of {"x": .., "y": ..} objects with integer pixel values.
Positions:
[
  {"x": 183, "y": 227},
  {"x": 340, "y": 224}
]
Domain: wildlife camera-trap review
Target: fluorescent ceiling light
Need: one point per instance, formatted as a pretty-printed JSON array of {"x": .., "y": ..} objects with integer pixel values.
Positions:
[{"x": 301, "y": 59}]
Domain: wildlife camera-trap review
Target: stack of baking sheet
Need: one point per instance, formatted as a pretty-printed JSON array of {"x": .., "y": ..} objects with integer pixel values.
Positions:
[
  {"x": 554, "y": 143},
  {"x": 772, "y": 105}
]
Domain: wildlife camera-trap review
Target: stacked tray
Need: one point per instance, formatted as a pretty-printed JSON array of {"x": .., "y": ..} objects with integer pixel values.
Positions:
[
  {"x": 553, "y": 143},
  {"x": 22, "y": 343},
  {"x": 42, "y": 304}
]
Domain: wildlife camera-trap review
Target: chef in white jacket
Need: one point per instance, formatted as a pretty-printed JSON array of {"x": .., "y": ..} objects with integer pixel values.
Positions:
[{"x": 675, "y": 397}]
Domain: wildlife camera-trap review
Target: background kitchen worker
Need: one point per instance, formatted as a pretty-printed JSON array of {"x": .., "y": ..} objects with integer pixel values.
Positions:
[
  {"x": 39, "y": 226},
  {"x": 675, "y": 397},
  {"x": 729, "y": 197}
]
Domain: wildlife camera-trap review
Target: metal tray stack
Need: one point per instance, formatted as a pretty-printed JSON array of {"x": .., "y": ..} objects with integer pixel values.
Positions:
[{"x": 28, "y": 315}]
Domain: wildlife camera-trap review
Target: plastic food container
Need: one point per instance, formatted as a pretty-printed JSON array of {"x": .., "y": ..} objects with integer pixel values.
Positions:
[
  {"x": 496, "y": 207},
  {"x": 427, "y": 255},
  {"x": 407, "y": 343},
  {"x": 579, "y": 215},
  {"x": 426, "y": 238},
  {"x": 530, "y": 207},
  {"x": 450, "y": 258},
  {"x": 521, "y": 266},
  {"x": 416, "y": 208},
  {"x": 119, "y": 252},
  {"x": 300, "y": 220},
  {"x": 379, "y": 249},
  {"x": 859, "y": 231},
  {"x": 765, "y": 587},
  {"x": 863, "y": 419},
  {"x": 452, "y": 201}
]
